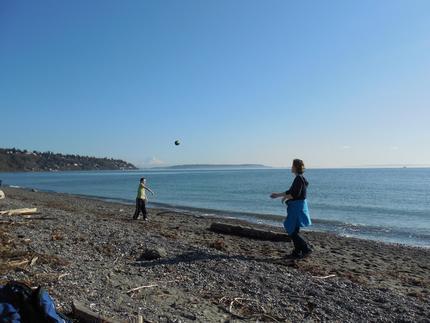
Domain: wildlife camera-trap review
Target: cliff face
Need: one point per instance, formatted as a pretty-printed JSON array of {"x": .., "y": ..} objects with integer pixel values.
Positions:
[{"x": 15, "y": 160}]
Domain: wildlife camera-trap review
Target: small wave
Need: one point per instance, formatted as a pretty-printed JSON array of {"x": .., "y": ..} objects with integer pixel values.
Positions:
[
  {"x": 379, "y": 233},
  {"x": 368, "y": 209}
]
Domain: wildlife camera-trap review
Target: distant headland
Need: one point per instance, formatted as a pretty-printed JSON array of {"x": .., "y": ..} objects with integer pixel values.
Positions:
[
  {"x": 211, "y": 166},
  {"x": 16, "y": 160}
]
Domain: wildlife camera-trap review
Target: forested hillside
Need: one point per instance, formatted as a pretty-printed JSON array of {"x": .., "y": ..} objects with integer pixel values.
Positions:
[{"x": 13, "y": 160}]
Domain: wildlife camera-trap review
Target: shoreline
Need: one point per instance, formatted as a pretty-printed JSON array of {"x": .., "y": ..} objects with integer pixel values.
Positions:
[
  {"x": 202, "y": 273},
  {"x": 338, "y": 228}
]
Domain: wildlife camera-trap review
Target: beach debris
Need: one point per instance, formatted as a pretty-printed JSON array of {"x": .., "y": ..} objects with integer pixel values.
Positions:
[
  {"x": 152, "y": 254},
  {"x": 17, "y": 263},
  {"x": 63, "y": 275},
  {"x": 248, "y": 232},
  {"x": 33, "y": 261},
  {"x": 24, "y": 220},
  {"x": 56, "y": 235},
  {"x": 156, "y": 284},
  {"x": 86, "y": 315},
  {"x": 2, "y": 195},
  {"x": 218, "y": 244},
  {"x": 23, "y": 211},
  {"x": 238, "y": 300},
  {"x": 140, "y": 287},
  {"x": 246, "y": 308},
  {"x": 323, "y": 277}
]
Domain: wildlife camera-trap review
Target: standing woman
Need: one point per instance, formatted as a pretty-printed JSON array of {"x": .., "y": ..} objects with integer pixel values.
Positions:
[
  {"x": 141, "y": 199},
  {"x": 297, "y": 210}
]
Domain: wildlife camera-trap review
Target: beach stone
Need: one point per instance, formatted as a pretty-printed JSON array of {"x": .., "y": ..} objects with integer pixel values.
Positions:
[
  {"x": 152, "y": 254},
  {"x": 218, "y": 244}
]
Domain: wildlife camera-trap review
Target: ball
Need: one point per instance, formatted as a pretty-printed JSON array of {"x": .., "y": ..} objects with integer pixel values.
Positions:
[{"x": 177, "y": 142}]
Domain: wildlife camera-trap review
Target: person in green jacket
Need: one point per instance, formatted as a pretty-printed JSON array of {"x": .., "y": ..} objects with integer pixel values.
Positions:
[{"x": 141, "y": 199}]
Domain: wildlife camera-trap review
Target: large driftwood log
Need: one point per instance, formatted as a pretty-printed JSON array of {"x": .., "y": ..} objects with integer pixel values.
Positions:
[{"x": 247, "y": 232}]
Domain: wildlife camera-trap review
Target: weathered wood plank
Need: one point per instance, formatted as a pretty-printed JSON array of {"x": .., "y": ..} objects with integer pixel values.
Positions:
[{"x": 247, "y": 232}]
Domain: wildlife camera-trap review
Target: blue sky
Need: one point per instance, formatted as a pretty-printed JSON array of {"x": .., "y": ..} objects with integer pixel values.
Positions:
[{"x": 337, "y": 83}]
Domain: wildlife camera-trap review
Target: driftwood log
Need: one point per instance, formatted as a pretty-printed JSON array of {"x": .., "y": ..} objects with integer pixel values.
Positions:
[
  {"x": 24, "y": 211},
  {"x": 85, "y": 315},
  {"x": 247, "y": 232}
]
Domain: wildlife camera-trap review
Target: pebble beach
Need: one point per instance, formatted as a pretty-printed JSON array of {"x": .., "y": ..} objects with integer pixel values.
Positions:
[{"x": 91, "y": 251}]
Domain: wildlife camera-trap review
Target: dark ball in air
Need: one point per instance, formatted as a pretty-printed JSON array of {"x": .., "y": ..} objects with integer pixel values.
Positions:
[{"x": 177, "y": 142}]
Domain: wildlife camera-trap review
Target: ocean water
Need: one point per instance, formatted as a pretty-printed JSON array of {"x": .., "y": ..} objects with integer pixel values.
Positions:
[{"x": 391, "y": 205}]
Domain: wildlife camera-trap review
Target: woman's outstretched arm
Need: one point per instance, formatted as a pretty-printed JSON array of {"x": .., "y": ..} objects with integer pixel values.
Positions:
[{"x": 285, "y": 196}]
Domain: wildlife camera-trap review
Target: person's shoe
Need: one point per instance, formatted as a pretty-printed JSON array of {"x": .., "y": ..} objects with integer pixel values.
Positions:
[
  {"x": 145, "y": 219},
  {"x": 306, "y": 254},
  {"x": 294, "y": 255}
]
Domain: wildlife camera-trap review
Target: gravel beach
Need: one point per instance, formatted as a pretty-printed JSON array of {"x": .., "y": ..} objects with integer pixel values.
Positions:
[{"x": 92, "y": 251}]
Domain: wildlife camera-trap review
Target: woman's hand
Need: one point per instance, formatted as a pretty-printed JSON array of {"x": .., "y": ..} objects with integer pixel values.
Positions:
[{"x": 274, "y": 195}]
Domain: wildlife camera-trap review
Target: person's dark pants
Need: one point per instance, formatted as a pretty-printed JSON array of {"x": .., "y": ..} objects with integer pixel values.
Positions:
[
  {"x": 300, "y": 244},
  {"x": 140, "y": 207}
]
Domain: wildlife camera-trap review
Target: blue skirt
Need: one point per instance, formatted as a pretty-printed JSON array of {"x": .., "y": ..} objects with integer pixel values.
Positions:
[{"x": 297, "y": 216}]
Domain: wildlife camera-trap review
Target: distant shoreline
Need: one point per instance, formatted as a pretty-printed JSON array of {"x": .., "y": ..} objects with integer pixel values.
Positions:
[{"x": 209, "y": 166}]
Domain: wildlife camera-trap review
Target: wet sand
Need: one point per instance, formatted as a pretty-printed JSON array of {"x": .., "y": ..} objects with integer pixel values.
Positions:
[{"x": 88, "y": 250}]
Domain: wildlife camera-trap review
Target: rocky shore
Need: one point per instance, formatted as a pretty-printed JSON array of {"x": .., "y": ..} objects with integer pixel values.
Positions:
[{"x": 173, "y": 269}]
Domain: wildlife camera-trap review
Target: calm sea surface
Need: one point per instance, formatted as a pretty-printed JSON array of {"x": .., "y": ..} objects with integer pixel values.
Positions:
[{"x": 391, "y": 205}]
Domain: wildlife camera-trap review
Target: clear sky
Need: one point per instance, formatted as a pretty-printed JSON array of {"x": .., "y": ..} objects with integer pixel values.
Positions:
[{"x": 337, "y": 83}]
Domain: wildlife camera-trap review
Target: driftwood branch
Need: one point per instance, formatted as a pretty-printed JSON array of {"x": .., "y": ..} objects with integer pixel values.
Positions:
[
  {"x": 246, "y": 304},
  {"x": 62, "y": 276},
  {"x": 136, "y": 289},
  {"x": 324, "y": 277},
  {"x": 247, "y": 232},
  {"x": 17, "y": 263},
  {"x": 141, "y": 287}
]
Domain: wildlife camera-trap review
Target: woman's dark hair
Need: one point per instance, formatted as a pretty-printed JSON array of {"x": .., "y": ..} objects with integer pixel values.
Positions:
[
  {"x": 142, "y": 179},
  {"x": 299, "y": 165}
]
